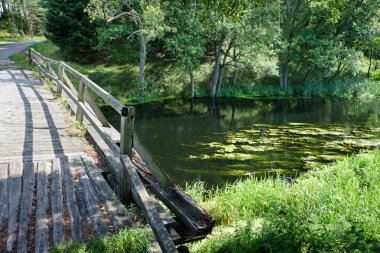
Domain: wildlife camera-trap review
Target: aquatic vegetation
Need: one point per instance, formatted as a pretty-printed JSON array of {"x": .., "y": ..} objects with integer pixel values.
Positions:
[
  {"x": 332, "y": 208},
  {"x": 271, "y": 145}
]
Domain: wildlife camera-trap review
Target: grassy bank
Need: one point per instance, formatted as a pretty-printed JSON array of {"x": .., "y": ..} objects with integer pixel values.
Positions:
[
  {"x": 334, "y": 208},
  {"x": 164, "y": 79},
  {"x": 331, "y": 209},
  {"x": 19, "y": 39}
]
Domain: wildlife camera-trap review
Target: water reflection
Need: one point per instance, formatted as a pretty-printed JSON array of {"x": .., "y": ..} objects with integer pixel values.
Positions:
[{"x": 218, "y": 140}]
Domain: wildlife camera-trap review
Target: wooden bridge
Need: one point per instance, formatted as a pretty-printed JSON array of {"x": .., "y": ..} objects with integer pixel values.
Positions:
[{"x": 52, "y": 191}]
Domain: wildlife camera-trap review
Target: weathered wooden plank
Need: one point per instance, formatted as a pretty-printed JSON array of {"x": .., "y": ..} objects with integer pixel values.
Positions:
[
  {"x": 14, "y": 193},
  {"x": 97, "y": 126},
  {"x": 90, "y": 201},
  {"x": 166, "y": 218},
  {"x": 26, "y": 205},
  {"x": 81, "y": 98},
  {"x": 116, "y": 210},
  {"x": 69, "y": 83},
  {"x": 126, "y": 131},
  {"x": 3, "y": 192},
  {"x": 185, "y": 209},
  {"x": 72, "y": 207},
  {"x": 96, "y": 110},
  {"x": 41, "y": 237},
  {"x": 108, "y": 98},
  {"x": 38, "y": 157},
  {"x": 141, "y": 196},
  {"x": 57, "y": 203}
]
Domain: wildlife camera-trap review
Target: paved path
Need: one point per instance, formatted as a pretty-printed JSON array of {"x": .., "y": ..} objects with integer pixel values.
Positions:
[
  {"x": 6, "y": 50},
  {"x": 50, "y": 191}
]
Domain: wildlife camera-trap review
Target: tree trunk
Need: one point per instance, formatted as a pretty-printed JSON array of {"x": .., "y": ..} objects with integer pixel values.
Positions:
[
  {"x": 306, "y": 76},
  {"x": 280, "y": 70},
  {"x": 235, "y": 77},
  {"x": 234, "y": 80},
  {"x": 143, "y": 45},
  {"x": 286, "y": 71},
  {"x": 283, "y": 57},
  {"x": 219, "y": 83},
  {"x": 5, "y": 10},
  {"x": 370, "y": 63},
  {"x": 223, "y": 64},
  {"x": 192, "y": 83},
  {"x": 218, "y": 53}
]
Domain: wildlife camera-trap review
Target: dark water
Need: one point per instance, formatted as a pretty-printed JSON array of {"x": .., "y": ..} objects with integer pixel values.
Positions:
[{"x": 224, "y": 139}]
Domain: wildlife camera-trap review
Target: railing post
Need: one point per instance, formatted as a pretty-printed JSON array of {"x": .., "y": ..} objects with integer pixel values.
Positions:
[
  {"x": 30, "y": 56},
  {"x": 126, "y": 145},
  {"x": 126, "y": 130},
  {"x": 81, "y": 99}
]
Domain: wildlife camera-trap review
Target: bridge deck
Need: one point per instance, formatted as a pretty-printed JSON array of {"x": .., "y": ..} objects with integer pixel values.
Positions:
[{"x": 50, "y": 191}]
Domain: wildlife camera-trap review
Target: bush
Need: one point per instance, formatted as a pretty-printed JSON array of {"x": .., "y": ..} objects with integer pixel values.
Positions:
[
  {"x": 69, "y": 27},
  {"x": 8, "y": 29}
]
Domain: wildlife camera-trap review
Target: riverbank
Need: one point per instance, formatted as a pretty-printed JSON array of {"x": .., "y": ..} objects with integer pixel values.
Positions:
[
  {"x": 329, "y": 209},
  {"x": 167, "y": 80},
  {"x": 333, "y": 208}
]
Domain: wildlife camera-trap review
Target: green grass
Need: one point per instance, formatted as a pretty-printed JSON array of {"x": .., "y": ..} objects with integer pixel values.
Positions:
[
  {"x": 330, "y": 209},
  {"x": 19, "y": 39},
  {"x": 356, "y": 88},
  {"x": 127, "y": 240}
]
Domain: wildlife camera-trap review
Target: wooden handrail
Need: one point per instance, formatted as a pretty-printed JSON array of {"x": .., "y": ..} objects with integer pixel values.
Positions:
[
  {"x": 85, "y": 106},
  {"x": 192, "y": 221}
]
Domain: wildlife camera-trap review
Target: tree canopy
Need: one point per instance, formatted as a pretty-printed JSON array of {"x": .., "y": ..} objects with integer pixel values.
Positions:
[{"x": 283, "y": 42}]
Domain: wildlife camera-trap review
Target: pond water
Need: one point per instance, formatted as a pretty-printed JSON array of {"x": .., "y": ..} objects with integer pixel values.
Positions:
[{"x": 220, "y": 140}]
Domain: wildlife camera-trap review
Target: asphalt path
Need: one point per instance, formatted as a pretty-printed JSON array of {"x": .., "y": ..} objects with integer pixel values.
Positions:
[{"x": 6, "y": 50}]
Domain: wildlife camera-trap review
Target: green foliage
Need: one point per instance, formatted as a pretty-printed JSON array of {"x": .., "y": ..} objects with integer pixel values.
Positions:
[
  {"x": 332, "y": 209},
  {"x": 19, "y": 18},
  {"x": 69, "y": 27},
  {"x": 113, "y": 39},
  {"x": 8, "y": 29},
  {"x": 127, "y": 240},
  {"x": 186, "y": 44}
]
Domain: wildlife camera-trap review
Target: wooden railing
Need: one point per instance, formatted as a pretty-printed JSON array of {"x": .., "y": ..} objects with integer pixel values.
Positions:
[{"x": 84, "y": 106}]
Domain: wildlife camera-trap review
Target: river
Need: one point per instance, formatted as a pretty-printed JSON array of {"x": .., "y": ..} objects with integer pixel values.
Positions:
[{"x": 220, "y": 140}]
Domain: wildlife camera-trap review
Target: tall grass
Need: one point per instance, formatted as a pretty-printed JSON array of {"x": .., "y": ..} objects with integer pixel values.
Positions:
[
  {"x": 357, "y": 88},
  {"x": 128, "y": 240},
  {"x": 331, "y": 209}
]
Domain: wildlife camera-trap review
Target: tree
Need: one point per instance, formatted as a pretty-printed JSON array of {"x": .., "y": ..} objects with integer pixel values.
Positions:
[
  {"x": 328, "y": 36},
  {"x": 147, "y": 16},
  {"x": 69, "y": 27},
  {"x": 221, "y": 20},
  {"x": 26, "y": 16},
  {"x": 187, "y": 45}
]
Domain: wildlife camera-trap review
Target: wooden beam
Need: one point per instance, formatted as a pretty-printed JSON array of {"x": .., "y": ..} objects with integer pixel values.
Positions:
[
  {"x": 96, "y": 110},
  {"x": 120, "y": 216},
  {"x": 14, "y": 193},
  {"x": 81, "y": 96},
  {"x": 57, "y": 203},
  {"x": 42, "y": 229},
  {"x": 26, "y": 205},
  {"x": 67, "y": 80},
  {"x": 3, "y": 192},
  {"x": 142, "y": 198},
  {"x": 127, "y": 130}
]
